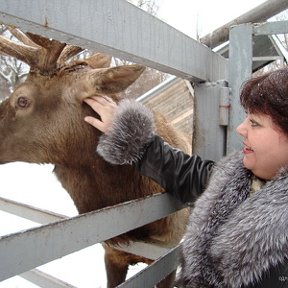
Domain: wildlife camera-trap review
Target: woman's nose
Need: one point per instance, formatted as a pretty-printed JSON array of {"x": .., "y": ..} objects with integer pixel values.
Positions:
[{"x": 241, "y": 130}]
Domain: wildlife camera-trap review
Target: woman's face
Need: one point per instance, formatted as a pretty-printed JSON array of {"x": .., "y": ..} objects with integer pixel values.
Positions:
[{"x": 265, "y": 147}]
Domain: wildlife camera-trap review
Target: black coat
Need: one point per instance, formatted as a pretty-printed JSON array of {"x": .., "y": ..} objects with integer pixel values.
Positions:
[{"x": 234, "y": 239}]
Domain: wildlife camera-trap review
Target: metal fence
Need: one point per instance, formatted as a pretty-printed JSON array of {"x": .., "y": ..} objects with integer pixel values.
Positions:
[
  {"x": 125, "y": 31},
  {"x": 59, "y": 236}
]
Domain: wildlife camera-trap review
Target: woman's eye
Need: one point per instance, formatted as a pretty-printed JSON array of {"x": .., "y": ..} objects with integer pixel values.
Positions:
[
  {"x": 253, "y": 123},
  {"x": 23, "y": 102}
]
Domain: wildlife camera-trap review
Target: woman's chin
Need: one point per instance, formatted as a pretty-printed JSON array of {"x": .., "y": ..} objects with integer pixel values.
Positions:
[{"x": 247, "y": 162}]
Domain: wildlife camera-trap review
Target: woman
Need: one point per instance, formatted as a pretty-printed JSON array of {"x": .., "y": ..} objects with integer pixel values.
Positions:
[{"x": 238, "y": 231}]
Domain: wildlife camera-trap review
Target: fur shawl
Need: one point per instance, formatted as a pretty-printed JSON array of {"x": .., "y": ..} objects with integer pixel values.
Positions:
[{"x": 234, "y": 237}]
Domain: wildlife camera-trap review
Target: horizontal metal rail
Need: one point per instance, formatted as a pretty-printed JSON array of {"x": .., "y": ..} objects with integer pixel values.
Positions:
[
  {"x": 151, "y": 251},
  {"x": 23, "y": 251},
  {"x": 271, "y": 28},
  {"x": 119, "y": 29},
  {"x": 37, "y": 277},
  {"x": 44, "y": 280},
  {"x": 155, "y": 272},
  {"x": 29, "y": 212},
  {"x": 148, "y": 250}
]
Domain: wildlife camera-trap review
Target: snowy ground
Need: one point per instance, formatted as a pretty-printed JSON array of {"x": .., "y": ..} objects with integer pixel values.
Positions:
[{"x": 36, "y": 185}]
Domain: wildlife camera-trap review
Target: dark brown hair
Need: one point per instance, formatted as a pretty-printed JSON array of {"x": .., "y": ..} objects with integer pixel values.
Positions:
[{"x": 268, "y": 94}]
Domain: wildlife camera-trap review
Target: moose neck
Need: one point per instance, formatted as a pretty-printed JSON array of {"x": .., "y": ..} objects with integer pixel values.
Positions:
[{"x": 99, "y": 184}]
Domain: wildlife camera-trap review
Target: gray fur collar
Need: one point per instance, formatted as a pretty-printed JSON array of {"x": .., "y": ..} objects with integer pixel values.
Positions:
[{"x": 232, "y": 238}]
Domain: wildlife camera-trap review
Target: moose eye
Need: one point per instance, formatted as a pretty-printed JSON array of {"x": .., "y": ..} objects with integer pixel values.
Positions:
[{"x": 23, "y": 102}]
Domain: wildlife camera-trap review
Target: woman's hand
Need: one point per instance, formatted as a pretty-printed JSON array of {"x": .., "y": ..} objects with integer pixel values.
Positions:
[{"x": 106, "y": 108}]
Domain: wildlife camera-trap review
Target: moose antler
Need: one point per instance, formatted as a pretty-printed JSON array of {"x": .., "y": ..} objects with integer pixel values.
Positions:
[
  {"x": 68, "y": 52},
  {"x": 43, "y": 55}
]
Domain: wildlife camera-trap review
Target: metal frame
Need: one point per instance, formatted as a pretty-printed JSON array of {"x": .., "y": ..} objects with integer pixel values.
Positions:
[
  {"x": 112, "y": 27},
  {"x": 120, "y": 29}
]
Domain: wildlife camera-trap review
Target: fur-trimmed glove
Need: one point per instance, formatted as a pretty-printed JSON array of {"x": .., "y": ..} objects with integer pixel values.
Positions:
[{"x": 131, "y": 131}]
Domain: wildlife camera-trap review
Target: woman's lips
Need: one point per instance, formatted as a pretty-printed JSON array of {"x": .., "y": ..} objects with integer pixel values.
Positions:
[{"x": 247, "y": 149}]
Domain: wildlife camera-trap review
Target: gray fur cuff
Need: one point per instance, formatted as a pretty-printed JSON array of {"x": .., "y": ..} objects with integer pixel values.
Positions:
[{"x": 131, "y": 131}]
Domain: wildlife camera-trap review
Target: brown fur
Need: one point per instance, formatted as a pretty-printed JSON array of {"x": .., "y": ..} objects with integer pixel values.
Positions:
[{"x": 51, "y": 129}]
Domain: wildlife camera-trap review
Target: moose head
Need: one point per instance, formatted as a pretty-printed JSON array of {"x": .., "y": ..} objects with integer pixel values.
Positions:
[{"x": 45, "y": 111}]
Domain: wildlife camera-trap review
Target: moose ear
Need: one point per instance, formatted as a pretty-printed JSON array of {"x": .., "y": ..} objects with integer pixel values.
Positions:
[{"x": 116, "y": 79}]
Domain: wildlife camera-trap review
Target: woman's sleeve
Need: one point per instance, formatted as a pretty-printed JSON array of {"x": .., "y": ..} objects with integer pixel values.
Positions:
[
  {"x": 132, "y": 140},
  {"x": 181, "y": 175}
]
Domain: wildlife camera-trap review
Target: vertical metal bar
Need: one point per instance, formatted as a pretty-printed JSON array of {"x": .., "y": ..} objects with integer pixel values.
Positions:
[
  {"x": 240, "y": 69},
  {"x": 209, "y": 138}
]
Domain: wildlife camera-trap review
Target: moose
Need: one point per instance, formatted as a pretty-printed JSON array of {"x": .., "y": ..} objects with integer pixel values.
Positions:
[{"x": 43, "y": 122}]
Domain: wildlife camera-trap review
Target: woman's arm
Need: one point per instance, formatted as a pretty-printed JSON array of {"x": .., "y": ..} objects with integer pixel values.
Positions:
[
  {"x": 129, "y": 138},
  {"x": 181, "y": 175}
]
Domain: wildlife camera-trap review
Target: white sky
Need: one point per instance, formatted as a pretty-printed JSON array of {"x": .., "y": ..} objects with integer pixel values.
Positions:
[
  {"x": 204, "y": 16},
  {"x": 18, "y": 180}
]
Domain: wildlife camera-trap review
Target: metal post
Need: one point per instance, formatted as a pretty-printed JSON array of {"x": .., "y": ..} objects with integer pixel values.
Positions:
[
  {"x": 240, "y": 69},
  {"x": 211, "y": 110}
]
